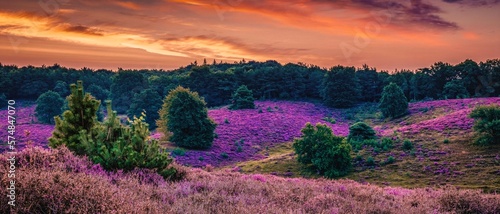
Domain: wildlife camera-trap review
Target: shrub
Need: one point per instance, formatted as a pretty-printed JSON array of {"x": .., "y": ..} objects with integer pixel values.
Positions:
[
  {"x": 407, "y": 145},
  {"x": 185, "y": 114},
  {"x": 393, "y": 103},
  {"x": 49, "y": 105},
  {"x": 360, "y": 131},
  {"x": 390, "y": 160},
  {"x": 178, "y": 152},
  {"x": 330, "y": 120},
  {"x": 242, "y": 98},
  {"x": 370, "y": 161},
  {"x": 486, "y": 124},
  {"x": 115, "y": 146},
  {"x": 319, "y": 149},
  {"x": 446, "y": 141},
  {"x": 224, "y": 155},
  {"x": 386, "y": 144},
  {"x": 81, "y": 115}
]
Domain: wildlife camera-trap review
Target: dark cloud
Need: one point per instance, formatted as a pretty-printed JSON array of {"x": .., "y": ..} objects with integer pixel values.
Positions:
[
  {"x": 82, "y": 29},
  {"x": 405, "y": 13},
  {"x": 474, "y": 2}
]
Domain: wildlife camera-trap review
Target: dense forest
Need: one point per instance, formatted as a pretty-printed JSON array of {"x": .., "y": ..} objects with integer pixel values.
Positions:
[{"x": 338, "y": 86}]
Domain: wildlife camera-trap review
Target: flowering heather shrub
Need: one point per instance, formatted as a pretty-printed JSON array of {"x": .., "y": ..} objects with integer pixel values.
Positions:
[{"x": 56, "y": 181}]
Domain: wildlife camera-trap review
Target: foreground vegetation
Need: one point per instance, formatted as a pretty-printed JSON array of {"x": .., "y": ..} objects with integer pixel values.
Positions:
[{"x": 56, "y": 181}]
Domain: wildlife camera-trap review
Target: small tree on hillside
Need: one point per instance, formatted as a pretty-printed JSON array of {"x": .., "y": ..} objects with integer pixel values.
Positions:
[
  {"x": 361, "y": 131},
  {"x": 319, "y": 149},
  {"x": 148, "y": 101},
  {"x": 80, "y": 116},
  {"x": 115, "y": 146},
  {"x": 487, "y": 124},
  {"x": 48, "y": 105},
  {"x": 393, "y": 102},
  {"x": 243, "y": 98},
  {"x": 185, "y": 115}
]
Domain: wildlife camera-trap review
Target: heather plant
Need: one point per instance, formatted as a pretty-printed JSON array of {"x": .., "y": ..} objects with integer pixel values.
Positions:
[
  {"x": 360, "y": 131},
  {"x": 242, "y": 98},
  {"x": 319, "y": 149},
  {"x": 487, "y": 124},
  {"x": 393, "y": 103},
  {"x": 185, "y": 115},
  {"x": 115, "y": 146},
  {"x": 81, "y": 115},
  {"x": 49, "y": 105}
]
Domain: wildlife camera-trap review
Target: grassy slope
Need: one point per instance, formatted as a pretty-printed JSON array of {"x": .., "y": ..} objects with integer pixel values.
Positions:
[{"x": 432, "y": 162}]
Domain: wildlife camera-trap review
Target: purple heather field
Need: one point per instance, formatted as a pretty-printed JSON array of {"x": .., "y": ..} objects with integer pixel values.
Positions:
[{"x": 273, "y": 122}]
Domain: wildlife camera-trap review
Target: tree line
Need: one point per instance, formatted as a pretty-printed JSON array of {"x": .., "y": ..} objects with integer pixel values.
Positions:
[{"x": 338, "y": 86}]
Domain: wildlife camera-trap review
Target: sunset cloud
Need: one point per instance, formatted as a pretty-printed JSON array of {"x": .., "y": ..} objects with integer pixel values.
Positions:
[{"x": 384, "y": 33}]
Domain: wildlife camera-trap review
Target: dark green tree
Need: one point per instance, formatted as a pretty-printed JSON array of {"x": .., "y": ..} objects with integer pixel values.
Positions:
[
  {"x": 185, "y": 115},
  {"x": 115, "y": 146},
  {"x": 340, "y": 87},
  {"x": 81, "y": 115},
  {"x": 487, "y": 124},
  {"x": 455, "y": 89},
  {"x": 393, "y": 102},
  {"x": 48, "y": 105},
  {"x": 361, "y": 131},
  {"x": 148, "y": 101},
  {"x": 319, "y": 149},
  {"x": 242, "y": 98},
  {"x": 61, "y": 88},
  {"x": 3, "y": 100},
  {"x": 125, "y": 85},
  {"x": 98, "y": 92}
]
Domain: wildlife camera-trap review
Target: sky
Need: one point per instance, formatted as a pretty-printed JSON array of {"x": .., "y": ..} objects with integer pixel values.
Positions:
[{"x": 167, "y": 34}]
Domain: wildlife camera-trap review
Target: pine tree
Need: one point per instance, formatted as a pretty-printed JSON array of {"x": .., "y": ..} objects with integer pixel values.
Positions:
[
  {"x": 340, "y": 87},
  {"x": 185, "y": 115},
  {"x": 115, "y": 146},
  {"x": 393, "y": 102},
  {"x": 80, "y": 116},
  {"x": 243, "y": 98}
]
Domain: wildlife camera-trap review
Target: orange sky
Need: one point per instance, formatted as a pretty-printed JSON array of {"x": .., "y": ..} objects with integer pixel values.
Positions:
[{"x": 386, "y": 34}]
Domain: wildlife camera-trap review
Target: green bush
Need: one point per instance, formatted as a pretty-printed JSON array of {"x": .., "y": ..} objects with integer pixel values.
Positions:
[
  {"x": 224, "y": 155},
  {"x": 319, "y": 149},
  {"x": 48, "y": 105},
  {"x": 360, "y": 131},
  {"x": 486, "y": 124},
  {"x": 407, "y": 145},
  {"x": 393, "y": 102},
  {"x": 370, "y": 161},
  {"x": 390, "y": 160},
  {"x": 386, "y": 144},
  {"x": 81, "y": 115},
  {"x": 455, "y": 89},
  {"x": 178, "y": 152},
  {"x": 242, "y": 98},
  {"x": 185, "y": 115},
  {"x": 115, "y": 146}
]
